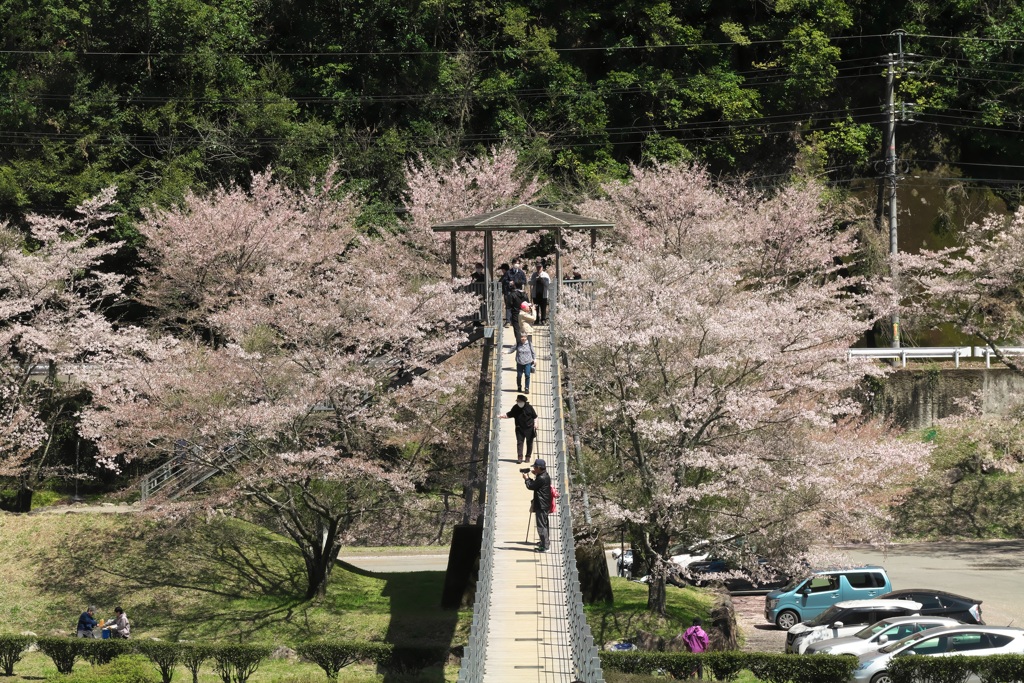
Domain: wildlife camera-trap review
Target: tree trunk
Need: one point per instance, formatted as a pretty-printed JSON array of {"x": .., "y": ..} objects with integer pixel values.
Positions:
[
  {"x": 656, "y": 597},
  {"x": 318, "y": 573}
]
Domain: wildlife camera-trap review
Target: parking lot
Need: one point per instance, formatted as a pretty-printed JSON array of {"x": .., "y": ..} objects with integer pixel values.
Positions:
[{"x": 990, "y": 571}]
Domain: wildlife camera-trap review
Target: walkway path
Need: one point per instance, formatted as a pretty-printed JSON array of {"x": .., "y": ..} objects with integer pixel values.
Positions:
[{"x": 527, "y": 639}]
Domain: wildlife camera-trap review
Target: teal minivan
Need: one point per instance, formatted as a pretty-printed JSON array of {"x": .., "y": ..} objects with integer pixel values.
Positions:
[{"x": 807, "y": 597}]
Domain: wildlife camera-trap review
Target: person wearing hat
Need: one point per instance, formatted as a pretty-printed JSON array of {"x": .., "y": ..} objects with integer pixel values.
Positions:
[
  {"x": 540, "y": 484},
  {"x": 86, "y": 623},
  {"x": 526, "y": 426},
  {"x": 540, "y": 284}
]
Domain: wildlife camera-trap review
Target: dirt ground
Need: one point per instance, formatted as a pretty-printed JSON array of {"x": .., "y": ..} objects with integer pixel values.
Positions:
[{"x": 758, "y": 635}]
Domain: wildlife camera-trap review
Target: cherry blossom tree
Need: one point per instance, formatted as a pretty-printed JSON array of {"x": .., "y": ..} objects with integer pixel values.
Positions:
[
  {"x": 711, "y": 371},
  {"x": 976, "y": 286},
  {"x": 298, "y": 343},
  {"x": 55, "y": 334},
  {"x": 447, "y": 191}
]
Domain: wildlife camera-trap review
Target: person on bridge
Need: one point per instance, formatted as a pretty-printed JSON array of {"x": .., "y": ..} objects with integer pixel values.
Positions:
[
  {"x": 540, "y": 283},
  {"x": 513, "y": 303},
  {"x": 526, "y": 426},
  {"x": 525, "y": 358},
  {"x": 541, "y": 487}
]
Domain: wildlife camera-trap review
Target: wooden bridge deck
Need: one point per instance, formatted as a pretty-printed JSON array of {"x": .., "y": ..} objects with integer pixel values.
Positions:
[{"x": 528, "y": 633}]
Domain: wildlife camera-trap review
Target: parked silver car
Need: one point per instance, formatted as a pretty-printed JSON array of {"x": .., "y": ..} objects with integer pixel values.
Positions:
[
  {"x": 974, "y": 641},
  {"x": 872, "y": 637},
  {"x": 845, "y": 619}
]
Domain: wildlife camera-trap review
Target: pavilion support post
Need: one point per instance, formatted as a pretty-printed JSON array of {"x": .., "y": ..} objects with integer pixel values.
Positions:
[
  {"x": 489, "y": 276},
  {"x": 454, "y": 255},
  {"x": 558, "y": 256}
]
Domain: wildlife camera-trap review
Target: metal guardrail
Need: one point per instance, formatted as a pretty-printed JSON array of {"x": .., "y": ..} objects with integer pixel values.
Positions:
[
  {"x": 472, "y": 668},
  {"x": 931, "y": 352},
  {"x": 586, "y": 661}
]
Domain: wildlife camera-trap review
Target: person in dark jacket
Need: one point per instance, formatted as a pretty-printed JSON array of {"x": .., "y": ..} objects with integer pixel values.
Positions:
[
  {"x": 526, "y": 426},
  {"x": 541, "y": 487},
  {"x": 540, "y": 284},
  {"x": 513, "y": 301},
  {"x": 86, "y": 623}
]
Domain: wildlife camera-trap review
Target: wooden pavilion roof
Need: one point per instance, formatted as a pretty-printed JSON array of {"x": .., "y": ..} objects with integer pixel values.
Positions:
[{"x": 522, "y": 217}]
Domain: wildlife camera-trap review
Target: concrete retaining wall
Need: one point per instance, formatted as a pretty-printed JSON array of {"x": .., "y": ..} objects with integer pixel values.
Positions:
[{"x": 915, "y": 399}]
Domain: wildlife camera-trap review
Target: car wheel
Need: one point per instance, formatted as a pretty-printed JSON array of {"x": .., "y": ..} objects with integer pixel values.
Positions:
[
  {"x": 883, "y": 677},
  {"x": 787, "y": 619}
]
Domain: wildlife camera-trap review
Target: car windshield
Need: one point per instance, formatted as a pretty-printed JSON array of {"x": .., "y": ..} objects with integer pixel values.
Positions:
[
  {"x": 871, "y": 630},
  {"x": 913, "y": 638},
  {"x": 794, "y": 584},
  {"x": 826, "y": 617}
]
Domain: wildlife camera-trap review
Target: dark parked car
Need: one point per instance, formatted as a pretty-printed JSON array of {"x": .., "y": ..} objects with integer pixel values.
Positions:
[
  {"x": 710, "y": 571},
  {"x": 941, "y": 604}
]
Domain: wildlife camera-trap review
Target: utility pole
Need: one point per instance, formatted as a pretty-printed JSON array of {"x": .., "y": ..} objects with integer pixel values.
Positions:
[{"x": 890, "y": 173}]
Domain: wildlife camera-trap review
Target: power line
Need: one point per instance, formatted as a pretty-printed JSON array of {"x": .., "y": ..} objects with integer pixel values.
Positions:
[{"x": 406, "y": 53}]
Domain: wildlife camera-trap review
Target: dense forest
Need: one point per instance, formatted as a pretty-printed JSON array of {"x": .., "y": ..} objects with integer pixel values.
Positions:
[{"x": 164, "y": 95}]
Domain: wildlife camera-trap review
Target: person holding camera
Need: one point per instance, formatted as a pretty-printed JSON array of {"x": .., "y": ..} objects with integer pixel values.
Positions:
[
  {"x": 526, "y": 426},
  {"x": 540, "y": 484}
]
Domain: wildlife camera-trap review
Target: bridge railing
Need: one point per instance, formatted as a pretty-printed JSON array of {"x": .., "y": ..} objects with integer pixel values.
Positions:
[
  {"x": 472, "y": 668},
  {"x": 586, "y": 662}
]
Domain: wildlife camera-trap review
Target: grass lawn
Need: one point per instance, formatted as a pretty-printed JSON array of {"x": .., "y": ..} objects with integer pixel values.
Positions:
[
  {"x": 621, "y": 620},
  {"x": 221, "y": 581},
  {"x": 225, "y": 581}
]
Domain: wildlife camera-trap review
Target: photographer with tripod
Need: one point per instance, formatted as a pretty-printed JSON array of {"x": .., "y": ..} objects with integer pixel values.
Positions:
[{"x": 541, "y": 487}]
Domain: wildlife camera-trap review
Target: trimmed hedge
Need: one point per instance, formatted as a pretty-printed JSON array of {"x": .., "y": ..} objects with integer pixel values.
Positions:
[
  {"x": 99, "y": 652},
  {"x": 333, "y": 656},
  {"x": 771, "y": 668},
  {"x": 193, "y": 655},
  {"x": 235, "y": 663},
  {"x": 920, "y": 669},
  {"x": 12, "y": 648},
  {"x": 165, "y": 655},
  {"x": 63, "y": 651}
]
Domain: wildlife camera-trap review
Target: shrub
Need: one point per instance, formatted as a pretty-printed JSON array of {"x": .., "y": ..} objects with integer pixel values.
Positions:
[
  {"x": 771, "y": 668},
  {"x": 12, "y": 648},
  {"x": 920, "y": 669},
  {"x": 98, "y": 652},
  {"x": 235, "y": 663},
  {"x": 63, "y": 651},
  {"x": 725, "y": 666},
  {"x": 999, "y": 668},
  {"x": 165, "y": 655},
  {"x": 122, "y": 669},
  {"x": 333, "y": 656},
  {"x": 193, "y": 656}
]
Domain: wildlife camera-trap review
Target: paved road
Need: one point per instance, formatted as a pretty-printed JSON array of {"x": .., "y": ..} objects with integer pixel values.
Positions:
[{"x": 991, "y": 571}]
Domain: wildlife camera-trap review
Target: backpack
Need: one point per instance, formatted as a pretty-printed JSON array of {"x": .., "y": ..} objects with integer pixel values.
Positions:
[{"x": 554, "y": 499}]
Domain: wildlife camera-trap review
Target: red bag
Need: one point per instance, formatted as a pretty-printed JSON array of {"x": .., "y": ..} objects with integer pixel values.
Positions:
[{"x": 554, "y": 499}]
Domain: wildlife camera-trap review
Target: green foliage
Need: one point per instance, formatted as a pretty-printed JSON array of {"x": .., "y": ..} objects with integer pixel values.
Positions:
[
  {"x": 63, "y": 651},
  {"x": 192, "y": 656},
  {"x": 165, "y": 655},
  {"x": 771, "y": 668},
  {"x": 12, "y": 648},
  {"x": 103, "y": 651},
  {"x": 725, "y": 666},
  {"x": 121, "y": 669},
  {"x": 954, "y": 669},
  {"x": 779, "y": 668},
  {"x": 235, "y": 663},
  {"x": 333, "y": 656}
]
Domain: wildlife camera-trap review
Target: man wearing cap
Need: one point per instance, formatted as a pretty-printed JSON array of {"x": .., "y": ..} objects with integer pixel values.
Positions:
[
  {"x": 541, "y": 487},
  {"x": 526, "y": 426}
]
